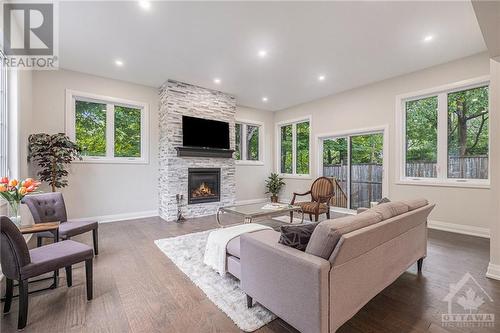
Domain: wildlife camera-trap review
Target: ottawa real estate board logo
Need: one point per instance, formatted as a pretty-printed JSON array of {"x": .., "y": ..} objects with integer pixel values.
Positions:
[
  {"x": 466, "y": 299},
  {"x": 29, "y": 35}
]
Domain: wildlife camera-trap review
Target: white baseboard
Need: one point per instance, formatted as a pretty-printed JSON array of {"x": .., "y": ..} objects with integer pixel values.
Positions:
[
  {"x": 459, "y": 228},
  {"x": 250, "y": 201},
  {"x": 120, "y": 217},
  {"x": 493, "y": 271}
]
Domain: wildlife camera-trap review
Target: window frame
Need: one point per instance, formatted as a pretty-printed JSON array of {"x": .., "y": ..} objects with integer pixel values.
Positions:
[
  {"x": 72, "y": 96},
  {"x": 4, "y": 119},
  {"x": 441, "y": 92},
  {"x": 293, "y": 122},
  {"x": 243, "y": 148}
]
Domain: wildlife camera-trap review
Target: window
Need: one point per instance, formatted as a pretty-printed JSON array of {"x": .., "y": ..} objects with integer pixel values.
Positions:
[
  {"x": 4, "y": 162},
  {"x": 294, "y": 147},
  {"x": 107, "y": 129},
  {"x": 446, "y": 135},
  {"x": 248, "y": 136}
]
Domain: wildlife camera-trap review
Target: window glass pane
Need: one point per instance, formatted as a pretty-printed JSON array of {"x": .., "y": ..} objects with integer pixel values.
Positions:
[
  {"x": 366, "y": 169},
  {"x": 127, "y": 132},
  {"x": 335, "y": 166},
  {"x": 468, "y": 134},
  {"x": 286, "y": 149},
  {"x": 237, "y": 129},
  {"x": 421, "y": 137},
  {"x": 302, "y": 162},
  {"x": 90, "y": 126},
  {"x": 252, "y": 143}
]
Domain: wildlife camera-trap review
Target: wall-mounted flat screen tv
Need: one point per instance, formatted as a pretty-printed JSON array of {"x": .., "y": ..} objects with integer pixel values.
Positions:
[{"x": 204, "y": 133}]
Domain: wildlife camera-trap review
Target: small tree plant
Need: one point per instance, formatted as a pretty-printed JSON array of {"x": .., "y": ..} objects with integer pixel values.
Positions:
[
  {"x": 52, "y": 153},
  {"x": 274, "y": 184}
]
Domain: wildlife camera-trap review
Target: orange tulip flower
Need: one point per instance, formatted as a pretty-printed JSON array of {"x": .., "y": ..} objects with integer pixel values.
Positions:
[
  {"x": 31, "y": 188},
  {"x": 23, "y": 190},
  {"x": 13, "y": 183},
  {"x": 3, "y": 188},
  {"x": 28, "y": 182}
]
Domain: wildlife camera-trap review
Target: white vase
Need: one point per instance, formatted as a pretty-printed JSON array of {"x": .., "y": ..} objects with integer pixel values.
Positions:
[{"x": 15, "y": 213}]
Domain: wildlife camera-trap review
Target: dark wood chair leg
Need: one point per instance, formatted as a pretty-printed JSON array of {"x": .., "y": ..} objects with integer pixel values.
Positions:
[
  {"x": 96, "y": 242},
  {"x": 310, "y": 217},
  {"x": 249, "y": 302},
  {"x": 39, "y": 241},
  {"x": 88, "y": 274},
  {"x": 69, "y": 276},
  {"x": 316, "y": 216},
  {"x": 328, "y": 213},
  {"x": 420, "y": 262},
  {"x": 291, "y": 217},
  {"x": 9, "y": 292},
  {"x": 23, "y": 304}
]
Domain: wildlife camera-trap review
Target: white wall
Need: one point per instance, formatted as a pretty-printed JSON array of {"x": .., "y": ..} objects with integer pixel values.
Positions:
[
  {"x": 99, "y": 189},
  {"x": 250, "y": 179},
  {"x": 374, "y": 105}
]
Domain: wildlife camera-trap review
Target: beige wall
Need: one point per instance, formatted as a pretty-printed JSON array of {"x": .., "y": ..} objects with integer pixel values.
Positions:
[
  {"x": 250, "y": 179},
  {"x": 99, "y": 189},
  {"x": 374, "y": 105}
]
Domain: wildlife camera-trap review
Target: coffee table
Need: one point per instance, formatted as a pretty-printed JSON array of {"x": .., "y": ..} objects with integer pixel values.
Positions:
[{"x": 252, "y": 212}]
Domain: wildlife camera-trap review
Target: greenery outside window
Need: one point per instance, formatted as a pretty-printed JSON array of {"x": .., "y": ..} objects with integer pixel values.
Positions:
[
  {"x": 107, "y": 130},
  {"x": 248, "y": 139},
  {"x": 446, "y": 135},
  {"x": 294, "y": 148}
]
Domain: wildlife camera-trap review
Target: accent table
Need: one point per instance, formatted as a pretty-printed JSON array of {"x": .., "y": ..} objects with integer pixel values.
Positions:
[{"x": 251, "y": 212}]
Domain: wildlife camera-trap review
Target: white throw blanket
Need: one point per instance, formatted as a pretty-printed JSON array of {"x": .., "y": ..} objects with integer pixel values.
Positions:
[{"x": 215, "y": 251}]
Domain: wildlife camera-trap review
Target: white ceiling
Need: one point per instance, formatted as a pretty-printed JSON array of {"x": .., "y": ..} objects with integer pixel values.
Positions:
[{"x": 351, "y": 43}]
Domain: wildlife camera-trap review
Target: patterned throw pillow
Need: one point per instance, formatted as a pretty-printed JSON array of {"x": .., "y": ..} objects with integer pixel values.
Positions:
[{"x": 296, "y": 236}]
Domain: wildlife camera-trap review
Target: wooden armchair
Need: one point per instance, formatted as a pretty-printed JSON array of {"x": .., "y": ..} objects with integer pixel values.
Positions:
[{"x": 321, "y": 194}]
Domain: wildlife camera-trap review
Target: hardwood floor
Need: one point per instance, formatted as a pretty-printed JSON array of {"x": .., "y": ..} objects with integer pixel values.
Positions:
[{"x": 138, "y": 289}]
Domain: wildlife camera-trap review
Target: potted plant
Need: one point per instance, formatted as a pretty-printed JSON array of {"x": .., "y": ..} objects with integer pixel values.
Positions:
[
  {"x": 52, "y": 153},
  {"x": 13, "y": 191},
  {"x": 274, "y": 184}
]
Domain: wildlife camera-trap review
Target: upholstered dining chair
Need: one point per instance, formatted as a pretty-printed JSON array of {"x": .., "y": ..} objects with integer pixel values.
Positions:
[
  {"x": 50, "y": 207},
  {"x": 321, "y": 193},
  {"x": 20, "y": 264}
]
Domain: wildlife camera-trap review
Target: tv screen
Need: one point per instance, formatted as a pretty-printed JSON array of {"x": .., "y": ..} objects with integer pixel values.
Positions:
[{"x": 198, "y": 132}]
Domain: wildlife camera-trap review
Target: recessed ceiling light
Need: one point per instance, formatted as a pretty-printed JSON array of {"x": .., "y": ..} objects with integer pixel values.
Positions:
[
  {"x": 321, "y": 78},
  {"x": 262, "y": 53},
  {"x": 428, "y": 38},
  {"x": 217, "y": 80},
  {"x": 145, "y": 4},
  {"x": 264, "y": 99},
  {"x": 119, "y": 62}
]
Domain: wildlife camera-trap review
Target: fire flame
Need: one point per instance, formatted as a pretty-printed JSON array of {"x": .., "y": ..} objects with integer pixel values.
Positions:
[{"x": 202, "y": 191}]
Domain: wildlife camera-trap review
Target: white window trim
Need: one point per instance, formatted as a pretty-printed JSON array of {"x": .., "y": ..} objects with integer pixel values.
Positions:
[
  {"x": 73, "y": 95},
  {"x": 442, "y": 158},
  {"x": 384, "y": 129},
  {"x": 293, "y": 122},
  {"x": 243, "y": 148}
]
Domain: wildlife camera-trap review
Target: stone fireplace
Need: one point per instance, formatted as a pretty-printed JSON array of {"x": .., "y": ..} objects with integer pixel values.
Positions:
[
  {"x": 203, "y": 185},
  {"x": 179, "y": 99}
]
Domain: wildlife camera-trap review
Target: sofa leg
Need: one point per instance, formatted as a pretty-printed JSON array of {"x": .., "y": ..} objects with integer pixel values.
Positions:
[
  {"x": 89, "y": 277},
  {"x": 23, "y": 304},
  {"x": 249, "y": 302},
  {"x": 9, "y": 292},
  {"x": 96, "y": 241},
  {"x": 420, "y": 262},
  {"x": 69, "y": 276}
]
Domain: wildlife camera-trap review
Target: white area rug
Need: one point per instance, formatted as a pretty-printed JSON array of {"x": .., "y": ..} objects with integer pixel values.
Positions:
[{"x": 187, "y": 253}]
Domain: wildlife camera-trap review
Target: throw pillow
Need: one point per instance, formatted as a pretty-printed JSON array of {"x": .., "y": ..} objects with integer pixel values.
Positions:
[
  {"x": 297, "y": 236},
  {"x": 384, "y": 200}
]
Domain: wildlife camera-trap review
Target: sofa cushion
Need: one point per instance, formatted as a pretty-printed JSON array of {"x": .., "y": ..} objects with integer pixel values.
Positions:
[
  {"x": 297, "y": 236},
  {"x": 416, "y": 203},
  {"x": 233, "y": 247},
  {"x": 327, "y": 233},
  {"x": 390, "y": 209}
]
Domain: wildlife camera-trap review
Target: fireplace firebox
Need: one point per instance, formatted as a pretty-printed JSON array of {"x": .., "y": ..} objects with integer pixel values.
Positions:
[{"x": 203, "y": 185}]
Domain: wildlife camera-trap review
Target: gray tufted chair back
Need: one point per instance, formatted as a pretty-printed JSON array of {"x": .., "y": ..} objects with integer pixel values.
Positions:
[
  {"x": 46, "y": 207},
  {"x": 14, "y": 251}
]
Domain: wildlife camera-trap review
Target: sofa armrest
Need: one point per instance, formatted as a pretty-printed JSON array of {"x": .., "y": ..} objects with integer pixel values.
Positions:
[{"x": 290, "y": 283}]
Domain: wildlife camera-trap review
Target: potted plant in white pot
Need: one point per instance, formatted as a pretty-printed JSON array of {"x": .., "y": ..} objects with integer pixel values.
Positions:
[{"x": 274, "y": 184}]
